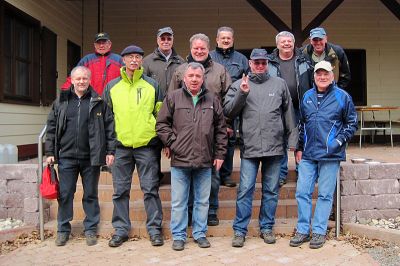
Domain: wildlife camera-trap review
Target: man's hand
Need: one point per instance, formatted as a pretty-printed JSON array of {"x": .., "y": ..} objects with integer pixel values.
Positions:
[
  {"x": 218, "y": 163},
  {"x": 229, "y": 131},
  {"x": 167, "y": 152},
  {"x": 109, "y": 160},
  {"x": 244, "y": 86},
  {"x": 50, "y": 160},
  {"x": 298, "y": 155}
]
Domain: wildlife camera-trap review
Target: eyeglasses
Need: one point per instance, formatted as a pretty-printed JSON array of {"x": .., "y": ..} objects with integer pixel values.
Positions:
[
  {"x": 133, "y": 56},
  {"x": 166, "y": 39},
  {"x": 264, "y": 63}
]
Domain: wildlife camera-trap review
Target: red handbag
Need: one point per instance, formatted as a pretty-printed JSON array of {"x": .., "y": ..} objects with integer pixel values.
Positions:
[{"x": 49, "y": 186}]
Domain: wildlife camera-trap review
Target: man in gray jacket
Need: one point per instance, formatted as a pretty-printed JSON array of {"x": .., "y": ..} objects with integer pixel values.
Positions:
[{"x": 266, "y": 113}]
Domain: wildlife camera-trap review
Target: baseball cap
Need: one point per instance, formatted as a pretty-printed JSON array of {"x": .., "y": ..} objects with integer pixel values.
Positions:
[
  {"x": 317, "y": 33},
  {"x": 165, "y": 30},
  {"x": 323, "y": 65},
  {"x": 132, "y": 49},
  {"x": 101, "y": 36},
  {"x": 259, "y": 54}
]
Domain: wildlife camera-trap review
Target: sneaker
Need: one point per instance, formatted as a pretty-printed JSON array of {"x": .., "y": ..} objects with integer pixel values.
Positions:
[
  {"x": 299, "y": 239},
  {"x": 269, "y": 237},
  {"x": 178, "y": 245},
  {"x": 156, "y": 240},
  {"x": 238, "y": 241},
  {"x": 91, "y": 239},
  {"x": 317, "y": 241},
  {"x": 117, "y": 241},
  {"x": 203, "y": 242},
  {"x": 282, "y": 182},
  {"x": 61, "y": 239},
  {"x": 212, "y": 220}
]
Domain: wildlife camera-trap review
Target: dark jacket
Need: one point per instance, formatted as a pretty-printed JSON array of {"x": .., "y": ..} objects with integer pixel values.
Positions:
[
  {"x": 196, "y": 135},
  {"x": 336, "y": 55},
  {"x": 103, "y": 68},
  {"x": 156, "y": 67},
  {"x": 325, "y": 129},
  {"x": 235, "y": 62},
  {"x": 266, "y": 116},
  {"x": 303, "y": 68},
  {"x": 101, "y": 127}
]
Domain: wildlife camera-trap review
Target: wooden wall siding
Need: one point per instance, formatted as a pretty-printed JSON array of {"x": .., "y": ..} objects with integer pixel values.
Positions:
[{"x": 20, "y": 124}]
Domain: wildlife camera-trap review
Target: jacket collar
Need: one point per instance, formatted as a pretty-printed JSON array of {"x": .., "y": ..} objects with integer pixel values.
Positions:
[
  {"x": 203, "y": 91},
  {"x": 65, "y": 94},
  {"x": 226, "y": 53},
  {"x": 137, "y": 74}
]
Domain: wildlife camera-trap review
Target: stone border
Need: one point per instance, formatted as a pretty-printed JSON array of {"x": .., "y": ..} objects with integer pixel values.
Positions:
[{"x": 372, "y": 232}]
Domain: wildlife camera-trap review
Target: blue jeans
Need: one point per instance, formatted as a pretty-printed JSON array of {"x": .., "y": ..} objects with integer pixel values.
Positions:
[
  {"x": 309, "y": 171},
  {"x": 284, "y": 163},
  {"x": 270, "y": 192},
  {"x": 181, "y": 178}
]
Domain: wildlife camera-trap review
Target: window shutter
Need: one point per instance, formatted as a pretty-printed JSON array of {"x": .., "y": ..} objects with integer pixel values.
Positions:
[{"x": 48, "y": 66}]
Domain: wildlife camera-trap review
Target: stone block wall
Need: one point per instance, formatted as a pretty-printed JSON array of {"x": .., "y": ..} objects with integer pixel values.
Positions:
[
  {"x": 19, "y": 198},
  {"x": 369, "y": 191}
]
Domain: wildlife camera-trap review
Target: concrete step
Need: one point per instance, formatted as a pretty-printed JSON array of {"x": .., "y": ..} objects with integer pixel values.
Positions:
[
  {"x": 225, "y": 193},
  {"x": 105, "y": 229},
  {"x": 106, "y": 178},
  {"x": 287, "y": 208}
]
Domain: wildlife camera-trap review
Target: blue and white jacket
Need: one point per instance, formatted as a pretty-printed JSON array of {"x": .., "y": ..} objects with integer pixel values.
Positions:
[{"x": 325, "y": 129}]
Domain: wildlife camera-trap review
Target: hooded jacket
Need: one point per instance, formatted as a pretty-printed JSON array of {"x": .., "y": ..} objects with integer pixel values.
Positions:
[
  {"x": 325, "y": 129},
  {"x": 235, "y": 62},
  {"x": 135, "y": 103},
  {"x": 303, "y": 70},
  {"x": 157, "y": 67},
  {"x": 266, "y": 115},
  {"x": 337, "y": 57},
  {"x": 100, "y": 128},
  {"x": 196, "y": 134}
]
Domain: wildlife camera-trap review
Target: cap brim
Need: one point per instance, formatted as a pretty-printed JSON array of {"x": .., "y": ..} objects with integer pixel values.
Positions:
[{"x": 258, "y": 58}]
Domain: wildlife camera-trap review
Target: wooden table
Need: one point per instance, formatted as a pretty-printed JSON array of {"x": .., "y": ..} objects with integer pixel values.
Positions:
[{"x": 373, "y": 109}]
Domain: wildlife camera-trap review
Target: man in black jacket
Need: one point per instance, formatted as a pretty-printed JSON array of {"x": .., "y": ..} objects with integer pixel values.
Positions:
[
  {"x": 80, "y": 137},
  {"x": 320, "y": 49}
]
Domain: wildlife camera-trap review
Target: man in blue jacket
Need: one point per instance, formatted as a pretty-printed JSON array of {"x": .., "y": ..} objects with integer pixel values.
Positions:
[{"x": 328, "y": 120}]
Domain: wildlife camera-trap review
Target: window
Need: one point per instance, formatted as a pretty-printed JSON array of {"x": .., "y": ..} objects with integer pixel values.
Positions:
[{"x": 20, "y": 44}]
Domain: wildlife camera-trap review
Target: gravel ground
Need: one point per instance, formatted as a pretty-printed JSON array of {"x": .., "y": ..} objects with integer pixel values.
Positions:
[
  {"x": 10, "y": 223},
  {"x": 388, "y": 255}
]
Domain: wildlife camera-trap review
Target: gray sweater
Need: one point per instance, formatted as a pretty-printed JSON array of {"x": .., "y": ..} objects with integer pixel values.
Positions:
[{"x": 266, "y": 114}]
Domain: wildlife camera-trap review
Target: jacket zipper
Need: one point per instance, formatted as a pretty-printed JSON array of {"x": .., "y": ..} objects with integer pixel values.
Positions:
[
  {"x": 327, "y": 137},
  {"x": 77, "y": 128}
]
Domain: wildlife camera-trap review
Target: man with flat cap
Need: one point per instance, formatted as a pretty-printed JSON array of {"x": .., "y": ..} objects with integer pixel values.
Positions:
[
  {"x": 320, "y": 49},
  {"x": 135, "y": 100},
  {"x": 103, "y": 64},
  {"x": 328, "y": 120},
  {"x": 266, "y": 114}
]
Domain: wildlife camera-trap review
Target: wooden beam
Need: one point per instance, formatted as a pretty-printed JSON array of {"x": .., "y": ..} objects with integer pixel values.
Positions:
[
  {"x": 321, "y": 17},
  {"x": 296, "y": 22},
  {"x": 393, "y": 6},
  {"x": 269, "y": 15}
]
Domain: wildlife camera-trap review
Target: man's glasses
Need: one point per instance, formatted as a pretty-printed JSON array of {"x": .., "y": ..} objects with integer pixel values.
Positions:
[
  {"x": 166, "y": 39},
  {"x": 264, "y": 63}
]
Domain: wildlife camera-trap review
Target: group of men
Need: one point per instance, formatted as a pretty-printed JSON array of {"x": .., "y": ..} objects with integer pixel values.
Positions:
[{"x": 121, "y": 110}]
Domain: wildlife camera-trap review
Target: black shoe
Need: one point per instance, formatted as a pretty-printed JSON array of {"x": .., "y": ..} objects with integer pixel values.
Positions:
[
  {"x": 203, "y": 242},
  {"x": 228, "y": 182},
  {"x": 91, "y": 239},
  {"x": 156, "y": 240},
  {"x": 212, "y": 220},
  {"x": 117, "y": 241},
  {"x": 317, "y": 241},
  {"x": 61, "y": 239},
  {"x": 299, "y": 239},
  {"x": 178, "y": 245},
  {"x": 238, "y": 241}
]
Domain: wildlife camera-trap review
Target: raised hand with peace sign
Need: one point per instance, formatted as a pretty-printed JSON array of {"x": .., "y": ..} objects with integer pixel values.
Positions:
[{"x": 244, "y": 86}]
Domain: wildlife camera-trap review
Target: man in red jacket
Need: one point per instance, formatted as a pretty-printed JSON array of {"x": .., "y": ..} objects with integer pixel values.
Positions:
[{"x": 103, "y": 64}]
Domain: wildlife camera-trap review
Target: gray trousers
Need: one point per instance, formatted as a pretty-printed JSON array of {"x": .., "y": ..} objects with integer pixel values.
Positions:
[{"x": 146, "y": 161}]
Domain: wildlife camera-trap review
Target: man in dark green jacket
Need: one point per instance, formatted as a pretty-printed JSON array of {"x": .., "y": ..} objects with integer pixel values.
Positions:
[{"x": 80, "y": 137}]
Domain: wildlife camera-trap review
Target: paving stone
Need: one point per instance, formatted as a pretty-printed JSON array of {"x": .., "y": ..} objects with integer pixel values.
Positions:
[
  {"x": 349, "y": 216},
  {"x": 348, "y": 187},
  {"x": 357, "y": 202},
  {"x": 385, "y": 171},
  {"x": 350, "y": 171},
  {"x": 387, "y": 201}
]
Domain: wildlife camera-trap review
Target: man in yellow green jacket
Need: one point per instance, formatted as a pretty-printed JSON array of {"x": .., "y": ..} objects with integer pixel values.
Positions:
[{"x": 135, "y": 100}]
